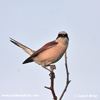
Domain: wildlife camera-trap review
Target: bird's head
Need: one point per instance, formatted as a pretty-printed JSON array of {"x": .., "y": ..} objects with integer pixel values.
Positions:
[{"x": 62, "y": 37}]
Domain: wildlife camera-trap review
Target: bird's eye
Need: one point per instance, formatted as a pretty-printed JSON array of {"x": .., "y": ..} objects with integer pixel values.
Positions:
[{"x": 62, "y": 35}]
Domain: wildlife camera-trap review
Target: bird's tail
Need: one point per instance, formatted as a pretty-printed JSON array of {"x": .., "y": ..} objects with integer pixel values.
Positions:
[{"x": 26, "y": 49}]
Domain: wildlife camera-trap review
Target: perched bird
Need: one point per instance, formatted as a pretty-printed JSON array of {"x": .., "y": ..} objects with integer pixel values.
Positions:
[{"x": 49, "y": 53}]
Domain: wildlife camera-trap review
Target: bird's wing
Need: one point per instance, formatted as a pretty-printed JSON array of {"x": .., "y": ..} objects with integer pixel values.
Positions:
[
  {"x": 45, "y": 47},
  {"x": 26, "y": 49}
]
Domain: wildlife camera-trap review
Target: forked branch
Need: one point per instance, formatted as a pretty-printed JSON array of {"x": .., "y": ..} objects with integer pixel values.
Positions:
[{"x": 52, "y": 76}]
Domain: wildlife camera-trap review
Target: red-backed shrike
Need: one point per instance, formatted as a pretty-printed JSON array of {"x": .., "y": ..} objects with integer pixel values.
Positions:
[{"x": 49, "y": 53}]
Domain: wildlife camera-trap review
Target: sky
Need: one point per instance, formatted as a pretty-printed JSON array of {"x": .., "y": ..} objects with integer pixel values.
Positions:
[{"x": 36, "y": 22}]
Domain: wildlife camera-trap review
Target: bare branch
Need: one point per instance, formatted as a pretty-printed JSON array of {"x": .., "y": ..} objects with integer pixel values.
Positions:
[
  {"x": 52, "y": 76},
  {"x": 67, "y": 80}
]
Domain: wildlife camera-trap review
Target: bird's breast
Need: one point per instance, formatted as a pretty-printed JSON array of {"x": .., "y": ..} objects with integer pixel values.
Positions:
[{"x": 51, "y": 55}]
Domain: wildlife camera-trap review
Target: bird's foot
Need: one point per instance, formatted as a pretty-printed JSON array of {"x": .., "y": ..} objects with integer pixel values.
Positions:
[{"x": 52, "y": 67}]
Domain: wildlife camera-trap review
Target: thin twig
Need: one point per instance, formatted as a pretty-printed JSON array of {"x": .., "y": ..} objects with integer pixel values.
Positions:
[
  {"x": 52, "y": 76},
  {"x": 67, "y": 80}
]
